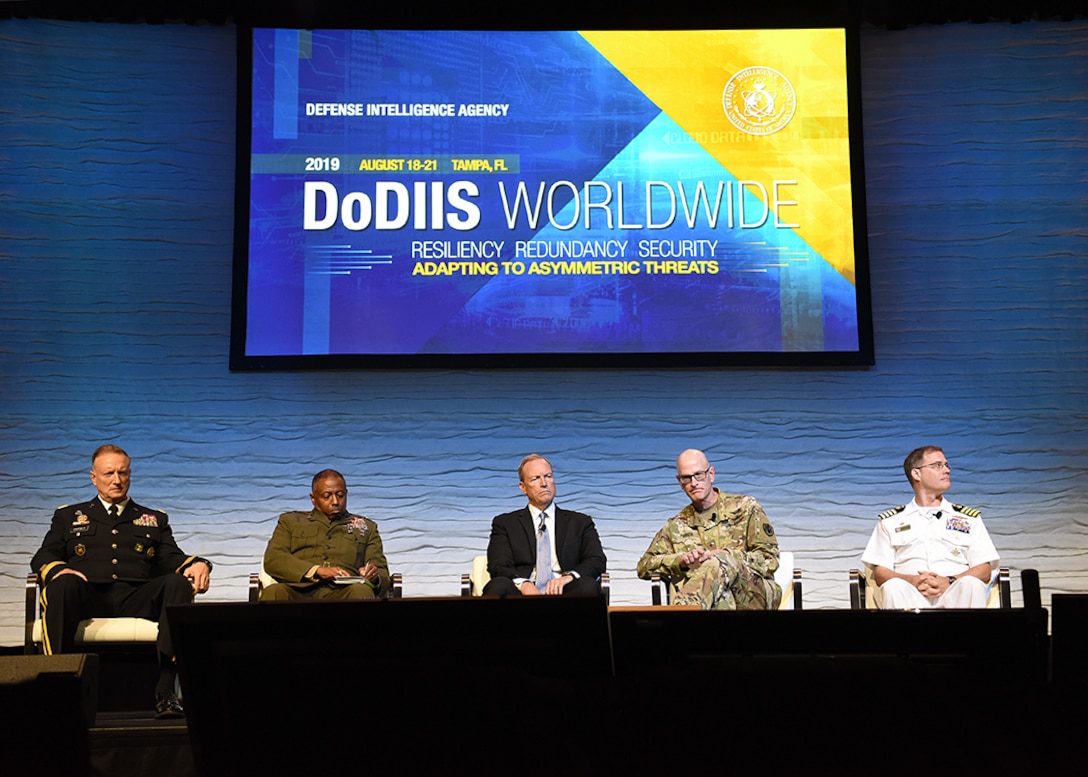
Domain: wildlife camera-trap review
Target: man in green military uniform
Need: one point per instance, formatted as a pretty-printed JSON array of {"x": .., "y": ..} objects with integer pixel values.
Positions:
[
  {"x": 327, "y": 553},
  {"x": 720, "y": 551}
]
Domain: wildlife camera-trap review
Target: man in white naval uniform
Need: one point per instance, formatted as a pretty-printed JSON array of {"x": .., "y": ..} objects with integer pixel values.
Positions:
[{"x": 931, "y": 553}]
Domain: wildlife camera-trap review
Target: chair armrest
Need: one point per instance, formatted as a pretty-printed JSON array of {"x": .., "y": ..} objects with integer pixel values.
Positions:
[
  {"x": 396, "y": 591},
  {"x": 255, "y": 587},
  {"x": 606, "y": 587},
  {"x": 798, "y": 589},
  {"x": 31, "y": 613},
  {"x": 857, "y": 589},
  {"x": 1004, "y": 588},
  {"x": 466, "y": 584},
  {"x": 657, "y": 589}
]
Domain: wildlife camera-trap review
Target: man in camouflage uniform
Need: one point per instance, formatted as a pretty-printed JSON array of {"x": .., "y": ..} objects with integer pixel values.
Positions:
[
  {"x": 720, "y": 552},
  {"x": 930, "y": 552},
  {"x": 309, "y": 552}
]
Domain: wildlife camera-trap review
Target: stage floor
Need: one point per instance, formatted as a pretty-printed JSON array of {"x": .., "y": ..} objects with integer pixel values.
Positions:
[{"x": 124, "y": 743}]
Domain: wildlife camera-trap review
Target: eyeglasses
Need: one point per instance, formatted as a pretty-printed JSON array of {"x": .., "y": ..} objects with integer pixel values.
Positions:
[
  {"x": 937, "y": 465},
  {"x": 698, "y": 477}
]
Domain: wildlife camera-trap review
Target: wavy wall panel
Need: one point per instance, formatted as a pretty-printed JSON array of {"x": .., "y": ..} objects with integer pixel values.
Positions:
[{"x": 116, "y": 194}]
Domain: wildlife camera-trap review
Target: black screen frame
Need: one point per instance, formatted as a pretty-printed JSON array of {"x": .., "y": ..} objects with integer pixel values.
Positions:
[{"x": 789, "y": 16}]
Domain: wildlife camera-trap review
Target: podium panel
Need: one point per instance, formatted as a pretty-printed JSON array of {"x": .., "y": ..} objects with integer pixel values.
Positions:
[
  {"x": 49, "y": 703},
  {"x": 1069, "y": 626},
  {"x": 407, "y": 684}
]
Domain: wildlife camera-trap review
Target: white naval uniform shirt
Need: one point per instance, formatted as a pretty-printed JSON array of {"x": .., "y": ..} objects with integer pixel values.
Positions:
[{"x": 935, "y": 539}]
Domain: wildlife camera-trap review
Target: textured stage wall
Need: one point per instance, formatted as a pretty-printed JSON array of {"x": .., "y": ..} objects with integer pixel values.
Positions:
[{"x": 116, "y": 199}]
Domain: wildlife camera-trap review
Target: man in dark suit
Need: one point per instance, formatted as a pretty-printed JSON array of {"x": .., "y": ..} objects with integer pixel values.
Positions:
[
  {"x": 112, "y": 557},
  {"x": 570, "y": 560}
]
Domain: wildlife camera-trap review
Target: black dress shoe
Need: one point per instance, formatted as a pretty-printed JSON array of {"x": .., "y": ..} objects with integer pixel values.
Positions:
[{"x": 168, "y": 706}]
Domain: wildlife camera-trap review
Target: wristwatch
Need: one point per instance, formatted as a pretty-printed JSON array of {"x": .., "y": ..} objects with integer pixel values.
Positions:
[{"x": 951, "y": 579}]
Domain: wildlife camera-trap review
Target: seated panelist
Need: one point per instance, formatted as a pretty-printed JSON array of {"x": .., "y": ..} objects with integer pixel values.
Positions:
[
  {"x": 931, "y": 553},
  {"x": 720, "y": 552},
  {"x": 543, "y": 549},
  {"x": 110, "y": 557},
  {"x": 326, "y": 553}
]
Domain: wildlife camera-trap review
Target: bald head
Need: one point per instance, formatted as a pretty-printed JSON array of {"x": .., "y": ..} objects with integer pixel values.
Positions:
[
  {"x": 692, "y": 457},
  {"x": 696, "y": 478}
]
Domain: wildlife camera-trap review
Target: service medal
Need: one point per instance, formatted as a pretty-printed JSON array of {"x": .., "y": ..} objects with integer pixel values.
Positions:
[
  {"x": 357, "y": 524},
  {"x": 958, "y": 523}
]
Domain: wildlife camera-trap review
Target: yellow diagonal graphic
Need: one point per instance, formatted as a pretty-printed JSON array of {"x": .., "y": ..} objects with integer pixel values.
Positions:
[{"x": 685, "y": 73}]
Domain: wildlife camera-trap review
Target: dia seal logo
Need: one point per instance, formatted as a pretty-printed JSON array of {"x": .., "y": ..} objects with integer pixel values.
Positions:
[{"x": 759, "y": 100}]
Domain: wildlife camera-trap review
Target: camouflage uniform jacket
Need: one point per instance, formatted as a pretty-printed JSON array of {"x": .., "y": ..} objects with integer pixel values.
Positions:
[{"x": 737, "y": 523}]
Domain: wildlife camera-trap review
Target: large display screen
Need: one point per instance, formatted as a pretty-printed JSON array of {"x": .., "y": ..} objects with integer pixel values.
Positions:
[{"x": 518, "y": 198}]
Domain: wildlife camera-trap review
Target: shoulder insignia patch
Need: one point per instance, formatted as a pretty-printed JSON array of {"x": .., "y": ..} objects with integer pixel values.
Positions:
[
  {"x": 768, "y": 530},
  {"x": 970, "y": 512},
  {"x": 890, "y": 513}
]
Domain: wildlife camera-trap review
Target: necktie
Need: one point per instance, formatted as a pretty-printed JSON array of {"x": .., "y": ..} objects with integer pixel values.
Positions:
[
  {"x": 112, "y": 511},
  {"x": 543, "y": 555}
]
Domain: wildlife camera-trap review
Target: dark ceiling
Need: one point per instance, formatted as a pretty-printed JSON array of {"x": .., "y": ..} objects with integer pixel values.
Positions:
[{"x": 553, "y": 14}]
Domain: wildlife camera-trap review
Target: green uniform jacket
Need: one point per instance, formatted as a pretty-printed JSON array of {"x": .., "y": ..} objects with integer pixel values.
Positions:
[
  {"x": 738, "y": 523},
  {"x": 302, "y": 540}
]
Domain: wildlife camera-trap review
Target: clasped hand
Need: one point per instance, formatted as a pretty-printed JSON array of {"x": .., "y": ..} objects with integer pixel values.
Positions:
[
  {"x": 697, "y": 556},
  {"x": 931, "y": 584},
  {"x": 553, "y": 587}
]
